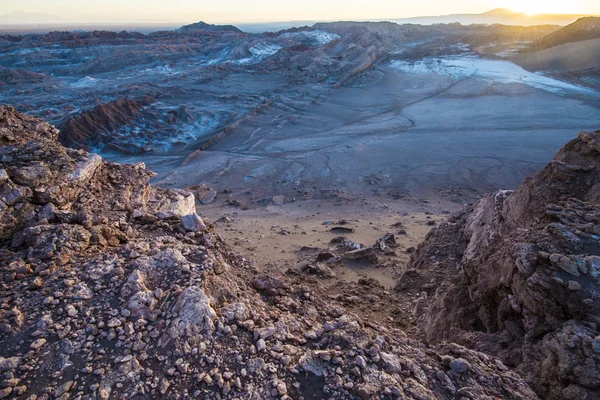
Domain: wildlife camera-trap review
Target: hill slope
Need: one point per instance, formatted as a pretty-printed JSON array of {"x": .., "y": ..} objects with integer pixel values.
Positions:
[
  {"x": 111, "y": 288},
  {"x": 582, "y": 29},
  {"x": 564, "y": 57}
]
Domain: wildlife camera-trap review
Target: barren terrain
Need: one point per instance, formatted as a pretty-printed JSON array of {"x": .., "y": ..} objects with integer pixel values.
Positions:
[
  {"x": 373, "y": 108},
  {"x": 299, "y": 214}
]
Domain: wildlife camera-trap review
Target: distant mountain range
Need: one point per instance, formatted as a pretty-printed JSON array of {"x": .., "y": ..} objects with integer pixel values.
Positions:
[{"x": 498, "y": 16}]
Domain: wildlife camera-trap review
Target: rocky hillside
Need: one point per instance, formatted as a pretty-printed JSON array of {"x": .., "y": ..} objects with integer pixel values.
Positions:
[
  {"x": 8, "y": 76},
  {"x": 111, "y": 288},
  {"x": 518, "y": 276},
  {"x": 100, "y": 125},
  {"x": 583, "y": 29}
]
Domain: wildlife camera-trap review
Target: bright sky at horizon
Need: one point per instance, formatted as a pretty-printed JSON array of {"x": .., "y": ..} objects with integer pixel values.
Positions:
[{"x": 276, "y": 10}]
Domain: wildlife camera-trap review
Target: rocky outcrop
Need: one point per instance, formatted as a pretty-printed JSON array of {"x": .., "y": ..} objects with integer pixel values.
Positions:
[
  {"x": 109, "y": 289},
  {"x": 520, "y": 275},
  {"x": 98, "y": 125},
  {"x": 13, "y": 76}
]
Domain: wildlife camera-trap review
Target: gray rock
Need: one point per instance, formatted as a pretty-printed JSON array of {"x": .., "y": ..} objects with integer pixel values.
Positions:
[
  {"x": 9, "y": 363},
  {"x": 193, "y": 223},
  {"x": 86, "y": 169},
  {"x": 459, "y": 366},
  {"x": 207, "y": 196},
  {"x": 194, "y": 314},
  {"x": 391, "y": 362},
  {"x": 278, "y": 200},
  {"x": 261, "y": 345},
  {"x": 361, "y": 362},
  {"x": 181, "y": 203},
  {"x": 3, "y": 176}
]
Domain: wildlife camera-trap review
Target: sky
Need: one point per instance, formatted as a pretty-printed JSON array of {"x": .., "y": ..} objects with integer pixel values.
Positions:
[{"x": 239, "y": 11}]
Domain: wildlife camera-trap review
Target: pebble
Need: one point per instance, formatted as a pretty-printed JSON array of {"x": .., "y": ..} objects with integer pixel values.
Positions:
[
  {"x": 4, "y": 393},
  {"x": 38, "y": 344},
  {"x": 361, "y": 362},
  {"x": 260, "y": 345}
]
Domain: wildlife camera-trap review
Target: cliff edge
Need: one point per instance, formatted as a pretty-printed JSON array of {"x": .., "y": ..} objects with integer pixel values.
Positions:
[{"x": 519, "y": 272}]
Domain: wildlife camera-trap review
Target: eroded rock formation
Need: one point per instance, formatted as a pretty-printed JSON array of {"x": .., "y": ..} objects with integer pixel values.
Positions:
[
  {"x": 520, "y": 275},
  {"x": 11, "y": 76},
  {"x": 100, "y": 124}
]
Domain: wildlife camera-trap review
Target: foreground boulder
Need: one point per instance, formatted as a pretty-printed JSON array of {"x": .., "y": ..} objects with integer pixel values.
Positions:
[
  {"x": 520, "y": 275},
  {"x": 105, "y": 294}
]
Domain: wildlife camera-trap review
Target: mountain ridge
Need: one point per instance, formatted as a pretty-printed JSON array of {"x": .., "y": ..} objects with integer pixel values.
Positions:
[{"x": 583, "y": 29}]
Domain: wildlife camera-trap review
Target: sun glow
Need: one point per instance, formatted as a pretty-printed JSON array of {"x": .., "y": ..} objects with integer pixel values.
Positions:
[{"x": 540, "y": 6}]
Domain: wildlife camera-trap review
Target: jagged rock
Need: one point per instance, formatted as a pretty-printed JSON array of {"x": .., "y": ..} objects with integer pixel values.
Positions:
[
  {"x": 9, "y": 363},
  {"x": 325, "y": 255},
  {"x": 193, "y": 223},
  {"x": 142, "y": 303},
  {"x": 135, "y": 283},
  {"x": 319, "y": 269},
  {"x": 195, "y": 316},
  {"x": 205, "y": 195},
  {"x": 181, "y": 203},
  {"x": 80, "y": 291},
  {"x": 366, "y": 253},
  {"x": 392, "y": 363},
  {"x": 85, "y": 169},
  {"x": 519, "y": 275},
  {"x": 387, "y": 241}
]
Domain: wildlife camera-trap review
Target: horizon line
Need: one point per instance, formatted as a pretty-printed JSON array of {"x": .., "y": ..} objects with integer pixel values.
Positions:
[{"x": 270, "y": 21}]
